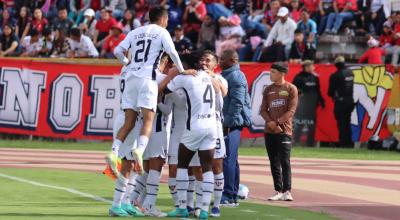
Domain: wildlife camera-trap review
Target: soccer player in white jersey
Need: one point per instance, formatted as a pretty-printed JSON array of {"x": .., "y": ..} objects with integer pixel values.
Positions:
[
  {"x": 155, "y": 154},
  {"x": 127, "y": 208},
  {"x": 199, "y": 135},
  {"x": 208, "y": 62},
  {"x": 125, "y": 153},
  {"x": 180, "y": 108},
  {"x": 147, "y": 43}
]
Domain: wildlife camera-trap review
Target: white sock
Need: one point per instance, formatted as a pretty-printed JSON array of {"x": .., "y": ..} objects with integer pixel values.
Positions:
[
  {"x": 190, "y": 192},
  {"x": 182, "y": 184},
  {"x": 142, "y": 197},
  {"x": 152, "y": 186},
  {"x": 129, "y": 188},
  {"x": 218, "y": 188},
  {"x": 140, "y": 186},
  {"x": 172, "y": 190},
  {"x": 115, "y": 146},
  {"x": 199, "y": 193},
  {"x": 142, "y": 142},
  {"x": 208, "y": 188},
  {"x": 120, "y": 188}
]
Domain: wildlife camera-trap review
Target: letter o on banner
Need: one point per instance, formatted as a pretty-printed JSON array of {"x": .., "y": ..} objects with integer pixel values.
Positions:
[
  {"x": 257, "y": 89},
  {"x": 66, "y": 102}
]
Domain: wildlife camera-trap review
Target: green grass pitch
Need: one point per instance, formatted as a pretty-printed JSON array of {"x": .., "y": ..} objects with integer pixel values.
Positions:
[{"x": 24, "y": 201}]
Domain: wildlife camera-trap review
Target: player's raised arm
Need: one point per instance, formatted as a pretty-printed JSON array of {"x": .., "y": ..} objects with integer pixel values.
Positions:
[
  {"x": 169, "y": 48},
  {"x": 120, "y": 50}
]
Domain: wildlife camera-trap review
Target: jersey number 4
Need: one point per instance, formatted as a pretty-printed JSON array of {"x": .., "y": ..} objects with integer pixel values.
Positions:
[
  {"x": 208, "y": 96},
  {"x": 142, "y": 47}
]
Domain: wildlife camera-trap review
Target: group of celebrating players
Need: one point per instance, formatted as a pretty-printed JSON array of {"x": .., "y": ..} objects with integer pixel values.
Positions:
[{"x": 172, "y": 113}]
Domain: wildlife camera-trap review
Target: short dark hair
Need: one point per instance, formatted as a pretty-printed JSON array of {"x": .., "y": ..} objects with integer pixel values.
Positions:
[
  {"x": 209, "y": 52},
  {"x": 34, "y": 32},
  {"x": 46, "y": 31},
  {"x": 156, "y": 13},
  {"x": 305, "y": 10},
  {"x": 75, "y": 32},
  {"x": 62, "y": 9},
  {"x": 298, "y": 31},
  {"x": 189, "y": 60}
]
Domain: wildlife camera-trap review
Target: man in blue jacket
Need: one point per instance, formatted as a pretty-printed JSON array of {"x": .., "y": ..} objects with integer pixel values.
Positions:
[{"x": 237, "y": 114}]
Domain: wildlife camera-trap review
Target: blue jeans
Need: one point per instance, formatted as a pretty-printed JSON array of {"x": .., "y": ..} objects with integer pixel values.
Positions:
[
  {"x": 231, "y": 164},
  {"x": 335, "y": 20},
  {"x": 252, "y": 26},
  {"x": 218, "y": 10}
]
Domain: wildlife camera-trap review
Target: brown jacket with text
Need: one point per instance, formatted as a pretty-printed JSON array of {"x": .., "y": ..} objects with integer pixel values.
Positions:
[{"x": 279, "y": 104}]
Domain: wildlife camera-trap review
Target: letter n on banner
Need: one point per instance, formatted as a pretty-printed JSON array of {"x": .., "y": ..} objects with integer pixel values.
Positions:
[{"x": 20, "y": 97}]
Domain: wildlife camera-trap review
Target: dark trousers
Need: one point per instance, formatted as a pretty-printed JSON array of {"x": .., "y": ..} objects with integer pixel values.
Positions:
[
  {"x": 278, "y": 148},
  {"x": 343, "y": 112},
  {"x": 231, "y": 163}
]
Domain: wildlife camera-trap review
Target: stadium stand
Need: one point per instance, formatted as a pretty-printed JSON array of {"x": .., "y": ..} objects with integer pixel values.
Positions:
[{"x": 330, "y": 27}]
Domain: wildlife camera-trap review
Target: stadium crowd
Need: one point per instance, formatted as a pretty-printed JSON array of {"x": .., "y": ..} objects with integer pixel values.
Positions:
[{"x": 260, "y": 30}]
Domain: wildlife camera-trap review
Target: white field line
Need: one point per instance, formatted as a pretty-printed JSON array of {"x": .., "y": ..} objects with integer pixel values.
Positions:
[{"x": 73, "y": 191}]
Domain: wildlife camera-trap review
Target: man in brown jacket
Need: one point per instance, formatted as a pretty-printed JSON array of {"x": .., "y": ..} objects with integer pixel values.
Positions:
[{"x": 278, "y": 107}]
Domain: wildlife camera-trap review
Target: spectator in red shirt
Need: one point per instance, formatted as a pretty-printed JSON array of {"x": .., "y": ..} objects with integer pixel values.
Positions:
[
  {"x": 295, "y": 10},
  {"x": 39, "y": 22},
  {"x": 193, "y": 18},
  {"x": 386, "y": 38},
  {"x": 271, "y": 14},
  {"x": 374, "y": 54},
  {"x": 112, "y": 41},
  {"x": 103, "y": 27},
  {"x": 343, "y": 11},
  {"x": 311, "y": 5}
]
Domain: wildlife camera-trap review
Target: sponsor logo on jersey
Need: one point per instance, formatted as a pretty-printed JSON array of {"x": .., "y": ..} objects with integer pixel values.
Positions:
[
  {"x": 277, "y": 103},
  {"x": 283, "y": 93}
]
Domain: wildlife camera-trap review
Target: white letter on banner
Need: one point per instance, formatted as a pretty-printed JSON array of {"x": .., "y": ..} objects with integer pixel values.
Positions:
[
  {"x": 105, "y": 104},
  {"x": 20, "y": 98},
  {"x": 66, "y": 102},
  {"x": 257, "y": 89}
]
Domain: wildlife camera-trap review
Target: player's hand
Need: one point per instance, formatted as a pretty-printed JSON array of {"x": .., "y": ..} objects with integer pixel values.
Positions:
[
  {"x": 172, "y": 72},
  {"x": 278, "y": 129},
  {"x": 272, "y": 125},
  {"x": 190, "y": 72}
]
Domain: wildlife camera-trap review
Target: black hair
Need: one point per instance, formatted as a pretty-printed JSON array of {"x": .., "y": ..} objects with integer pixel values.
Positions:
[
  {"x": 189, "y": 60},
  {"x": 34, "y": 32},
  {"x": 156, "y": 13},
  {"x": 209, "y": 52},
  {"x": 62, "y": 8},
  {"x": 46, "y": 31},
  {"x": 75, "y": 32},
  {"x": 298, "y": 31}
]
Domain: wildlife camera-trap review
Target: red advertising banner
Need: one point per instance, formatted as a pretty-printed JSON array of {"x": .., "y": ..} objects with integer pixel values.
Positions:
[{"x": 81, "y": 101}]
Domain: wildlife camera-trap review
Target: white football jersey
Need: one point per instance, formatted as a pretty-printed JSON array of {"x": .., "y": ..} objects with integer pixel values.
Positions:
[
  {"x": 219, "y": 100},
  {"x": 200, "y": 98},
  {"x": 179, "y": 108},
  {"x": 147, "y": 43},
  {"x": 162, "y": 121}
]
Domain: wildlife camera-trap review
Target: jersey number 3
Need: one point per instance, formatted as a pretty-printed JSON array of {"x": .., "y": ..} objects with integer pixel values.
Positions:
[
  {"x": 142, "y": 47},
  {"x": 208, "y": 96}
]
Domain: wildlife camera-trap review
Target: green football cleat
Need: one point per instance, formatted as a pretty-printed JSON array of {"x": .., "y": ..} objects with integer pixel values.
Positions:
[
  {"x": 112, "y": 161},
  {"x": 117, "y": 212},
  {"x": 131, "y": 210},
  {"x": 178, "y": 213},
  {"x": 203, "y": 215},
  {"x": 137, "y": 155}
]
